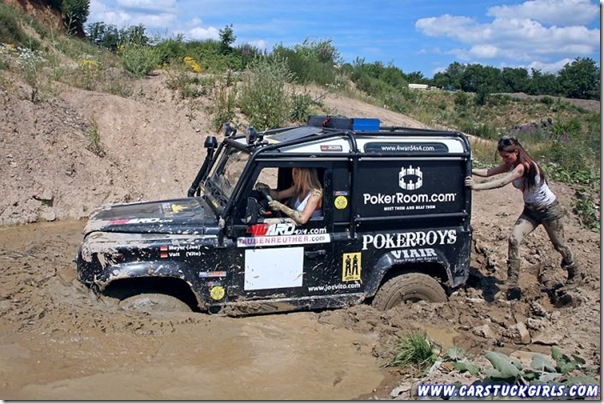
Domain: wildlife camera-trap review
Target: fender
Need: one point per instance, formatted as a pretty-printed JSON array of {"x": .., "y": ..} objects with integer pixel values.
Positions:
[
  {"x": 393, "y": 258},
  {"x": 142, "y": 269}
]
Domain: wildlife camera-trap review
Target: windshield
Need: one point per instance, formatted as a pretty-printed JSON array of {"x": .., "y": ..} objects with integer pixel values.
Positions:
[{"x": 225, "y": 174}]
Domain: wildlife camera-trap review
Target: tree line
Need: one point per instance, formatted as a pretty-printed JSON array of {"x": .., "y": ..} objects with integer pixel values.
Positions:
[{"x": 577, "y": 79}]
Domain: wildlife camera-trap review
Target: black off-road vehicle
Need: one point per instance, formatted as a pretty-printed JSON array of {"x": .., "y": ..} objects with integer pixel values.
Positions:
[{"x": 394, "y": 225}]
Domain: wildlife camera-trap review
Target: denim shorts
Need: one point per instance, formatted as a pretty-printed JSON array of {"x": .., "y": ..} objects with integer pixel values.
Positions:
[{"x": 539, "y": 215}]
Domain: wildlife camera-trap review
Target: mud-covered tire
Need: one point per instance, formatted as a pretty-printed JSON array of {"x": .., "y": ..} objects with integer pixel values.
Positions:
[
  {"x": 409, "y": 287},
  {"x": 154, "y": 302}
]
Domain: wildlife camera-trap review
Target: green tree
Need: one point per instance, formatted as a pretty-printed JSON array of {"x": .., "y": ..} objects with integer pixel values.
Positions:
[
  {"x": 543, "y": 83},
  {"x": 580, "y": 79},
  {"x": 515, "y": 80},
  {"x": 477, "y": 78},
  {"x": 395, "y": 77},
  {"x": 227, "y": 38},
  {"x": 416, "y": 77},
  {"x": 75, "y": 14},
  {"x": 105, "y": 35},
  {"x": 134, "y": 35},
  {"x": 440, "y": 80},
  {"x": 451, "y": 77}
]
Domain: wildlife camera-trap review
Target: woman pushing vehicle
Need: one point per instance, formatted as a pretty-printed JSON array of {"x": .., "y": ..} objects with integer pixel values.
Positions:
[{"x": 540, "y": 208}]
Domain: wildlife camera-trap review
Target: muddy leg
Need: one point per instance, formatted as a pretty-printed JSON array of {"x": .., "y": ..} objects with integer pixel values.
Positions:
[
  {"x": 555, "y": 231},
  {"x": 522, "y": 228}
]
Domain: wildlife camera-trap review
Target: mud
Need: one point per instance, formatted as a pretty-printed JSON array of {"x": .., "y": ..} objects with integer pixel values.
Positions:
[{"x": 59, "y": 342}]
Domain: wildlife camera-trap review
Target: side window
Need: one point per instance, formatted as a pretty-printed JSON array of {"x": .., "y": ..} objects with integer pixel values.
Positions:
[
  {"x": 281, "y": 178},
  {"x": 269, "y": 176}
]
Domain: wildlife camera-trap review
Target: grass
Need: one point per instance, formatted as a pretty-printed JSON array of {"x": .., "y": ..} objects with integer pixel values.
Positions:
[{"x": 414, "y": 351}]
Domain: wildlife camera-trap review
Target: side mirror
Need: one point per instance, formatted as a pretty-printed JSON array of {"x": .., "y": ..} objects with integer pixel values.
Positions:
[
  {"x": 252, "y": 211},
  {"x": 210, "y": 142}
]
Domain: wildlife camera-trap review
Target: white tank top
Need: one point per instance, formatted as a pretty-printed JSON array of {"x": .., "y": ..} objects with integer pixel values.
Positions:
[
  {"x": 538, "y": 196},
  {"x": 300, "y": 205}
]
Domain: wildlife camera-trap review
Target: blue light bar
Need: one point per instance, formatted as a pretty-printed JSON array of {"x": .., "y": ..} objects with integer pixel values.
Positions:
[{"x": 365, "y": 124}]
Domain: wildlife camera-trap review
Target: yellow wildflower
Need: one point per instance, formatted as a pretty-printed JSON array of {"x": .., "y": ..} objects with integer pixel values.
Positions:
[{"x": 189, "y": 61}]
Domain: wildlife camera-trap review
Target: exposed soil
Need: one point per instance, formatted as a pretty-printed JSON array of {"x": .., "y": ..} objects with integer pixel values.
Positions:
[{"x": 57, "y": 342}]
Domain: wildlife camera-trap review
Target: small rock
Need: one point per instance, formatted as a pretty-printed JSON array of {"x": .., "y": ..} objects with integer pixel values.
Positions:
[
  {"x": 519, "y": 333},
  {"x": 404, "y": 389},
  {"x": 535, "y": 323},
  {"x": 538, "y": 310},
  {"x": 484, "y": 331},
  {"x": 546, "y": 338}
]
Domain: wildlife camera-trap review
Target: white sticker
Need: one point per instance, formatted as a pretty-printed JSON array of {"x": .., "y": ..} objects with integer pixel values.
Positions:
[{"x": 267, "y": 269}]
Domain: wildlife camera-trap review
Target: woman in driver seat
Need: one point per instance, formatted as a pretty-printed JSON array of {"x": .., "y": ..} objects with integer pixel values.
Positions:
[{"x": 305, "y": 195}]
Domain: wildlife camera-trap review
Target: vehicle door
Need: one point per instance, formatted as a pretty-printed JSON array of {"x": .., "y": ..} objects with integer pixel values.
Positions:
[{"x": 280, "y": 259}]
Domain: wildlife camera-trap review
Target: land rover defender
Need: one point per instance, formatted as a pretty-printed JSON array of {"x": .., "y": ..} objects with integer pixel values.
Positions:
[{"x": 394, "y": 225}]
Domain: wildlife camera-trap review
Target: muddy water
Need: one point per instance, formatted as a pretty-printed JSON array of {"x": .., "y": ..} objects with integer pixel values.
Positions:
[{"x": 58, "y": 343}]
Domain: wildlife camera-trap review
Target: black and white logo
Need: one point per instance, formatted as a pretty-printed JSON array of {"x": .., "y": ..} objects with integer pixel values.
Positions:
[{"x": 410, "y": 178}]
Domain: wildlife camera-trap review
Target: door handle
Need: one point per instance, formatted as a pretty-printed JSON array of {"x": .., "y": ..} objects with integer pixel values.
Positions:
[{"x": 315, "y": 254}]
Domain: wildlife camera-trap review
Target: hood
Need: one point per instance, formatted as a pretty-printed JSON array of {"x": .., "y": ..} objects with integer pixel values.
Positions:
[{"x": 174, "y": 216}]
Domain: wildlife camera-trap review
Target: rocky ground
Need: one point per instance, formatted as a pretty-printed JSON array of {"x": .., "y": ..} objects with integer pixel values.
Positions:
[{"x": 58, "y": 342}]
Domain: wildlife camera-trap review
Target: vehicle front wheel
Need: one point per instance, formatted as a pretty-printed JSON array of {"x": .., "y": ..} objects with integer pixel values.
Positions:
[
  {"x": 154, "y": 302},
  {"x": 410, "y": 287}
]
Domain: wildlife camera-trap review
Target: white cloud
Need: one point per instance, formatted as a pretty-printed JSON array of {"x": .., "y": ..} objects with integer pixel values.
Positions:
[
  {"x": 260, "y": 44},
  {"x": 549, "y": 67},
  {"x": 151, "y": 14},
  {"x": 201, "y": 33},
  {"x": 555, "y": 12},
  {"x": 148, "y": 5},
  {"x": 446, "y": 25},
  {"x": 518, "y": 35},
  {"x": 485, "y": 51}
]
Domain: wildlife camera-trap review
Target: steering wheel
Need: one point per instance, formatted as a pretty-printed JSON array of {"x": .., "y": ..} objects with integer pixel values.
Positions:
[{"x": 266, "y": 193}]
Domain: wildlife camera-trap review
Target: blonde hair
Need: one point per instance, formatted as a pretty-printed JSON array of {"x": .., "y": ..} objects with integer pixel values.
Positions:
[{"x": 309, "y": 180}]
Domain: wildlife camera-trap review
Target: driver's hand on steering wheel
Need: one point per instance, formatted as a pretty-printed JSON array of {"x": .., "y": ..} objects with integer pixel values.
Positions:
[
  {"x": 260, "y": 186},
  {"x": 276, "y": 205}
]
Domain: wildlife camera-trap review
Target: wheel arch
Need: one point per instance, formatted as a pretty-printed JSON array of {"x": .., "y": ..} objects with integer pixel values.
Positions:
[
  {"x": 126, "y": 280},
  {"x": 387, "y": 268}
]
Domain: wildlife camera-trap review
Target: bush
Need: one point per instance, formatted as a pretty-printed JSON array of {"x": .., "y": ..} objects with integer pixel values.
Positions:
[
  {"x": 264, "y": 97},
  {"x": 311, "y": 62},
  {"x": 301, "y": 105},
  {"x": 225, "y": 97},
  {"x": 139, "y": 60}
]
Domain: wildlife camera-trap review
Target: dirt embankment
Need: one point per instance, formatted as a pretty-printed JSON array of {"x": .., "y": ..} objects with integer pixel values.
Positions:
[{"x": 58, "y": 342}]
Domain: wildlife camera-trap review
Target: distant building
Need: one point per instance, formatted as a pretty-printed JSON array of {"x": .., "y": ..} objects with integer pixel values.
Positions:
[{"x": 418, "y": 86}]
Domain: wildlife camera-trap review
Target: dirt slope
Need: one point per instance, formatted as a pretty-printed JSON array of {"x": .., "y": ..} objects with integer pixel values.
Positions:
[{"x": 57, "y": 342}]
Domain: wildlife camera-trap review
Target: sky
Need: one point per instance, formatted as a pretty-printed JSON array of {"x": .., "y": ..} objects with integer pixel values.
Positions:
[{"x": 414, "y": 35}]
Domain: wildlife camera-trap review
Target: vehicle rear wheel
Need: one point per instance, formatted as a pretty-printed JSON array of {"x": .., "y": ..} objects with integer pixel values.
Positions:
[
  {"x": 153, "y": 302},
  {"x": 410, "y": 287}
]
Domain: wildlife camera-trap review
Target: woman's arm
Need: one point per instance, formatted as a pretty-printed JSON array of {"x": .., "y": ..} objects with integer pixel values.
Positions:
[
  {"x": 286, "y": 193},
  {"x": 488, "y": 172},
  {"x": 518, "y": 172},
  {"x": 300, "y": 217}
]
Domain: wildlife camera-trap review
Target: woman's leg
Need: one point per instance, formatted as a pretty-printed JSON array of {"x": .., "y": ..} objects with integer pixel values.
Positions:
[
  {"x": 522, "y": 228},
  {"x": 555, "y": 231}
]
